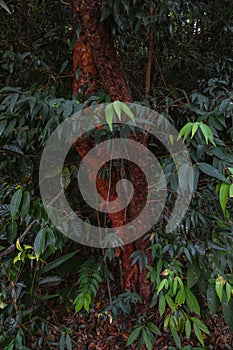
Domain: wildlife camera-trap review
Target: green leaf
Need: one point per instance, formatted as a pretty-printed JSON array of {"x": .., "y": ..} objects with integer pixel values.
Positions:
[
  {"x": 162, "y": 304},
  {"x": 187, "y": 328},
  {"x": 170, "y": 302},
  {"x": 32, "y": 103},
  {"x": 161, "y": 285},
  {"x": 79, "y": 302},
  {"x": 117, "y": 108},
  {"x": 40, "y": 242},
  {"x": 62, "y": 341},
  {"x": 50, "y": 280},
  {"x": 13, "y": 232},
  {"x": 229, "y": 290},
  {"x": 200, "y": 324},
  {"x": 207, "y": 133},
  {"x": 18, "y": 246},
  {"x": 15, "y": 203},
  {"x": 2, "y": 304},
  {"x": 180, "y": 296},
  {"x": 223, "y": 196},
  {"x": 198, "y": 333},
  {"x": 166, "y": 322},
  {"x": 127, "y": 111},
  {"x": 212, "y": 298},
  {"x": 87, "y": 301},
  {"x": 109, "y": 115},
  {"x": 193, "y": 274},
  {"x": 211, "y": 171},
  {"x": 25, "y": 207},
  {"x": 192, "y": 302},
  {"x": 185, "y": 131},
  {"x": 68, "y": 342},
  {"x": 227, "y": 308},
  {"x": 153, "y": 328},
  {"x": 231, "y": 191},
  {"x": 57, "y": 262},
  {"x": 194, "y": 128},
  {"x": 176, "y": 338},
  {"x": 133, "y": 336},
  {"x": 3, "y": 124},
  {"x": 219, "y": 289},
  {"x": 147, "y": 339},
  {"x": 13, "y": 102},
  {"x": 66, "y": 178}
]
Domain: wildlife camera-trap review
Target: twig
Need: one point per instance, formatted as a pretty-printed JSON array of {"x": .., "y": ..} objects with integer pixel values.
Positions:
[
  {"x": 150, "y": 55},
  {"x": 11, "y": 248}
]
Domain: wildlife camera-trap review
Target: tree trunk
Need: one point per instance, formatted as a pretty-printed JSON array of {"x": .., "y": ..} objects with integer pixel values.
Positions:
[
  {"x": 94, "y": 54},
  {"x": 95, "y": 59}
]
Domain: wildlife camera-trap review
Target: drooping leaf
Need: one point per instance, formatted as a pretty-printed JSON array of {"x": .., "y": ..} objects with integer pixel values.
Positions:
[
  {"x": 127, "y": 111},
  {"x": 219, "y": 287},
  {"x": 68, "y": 342},
  {"x": 191, "y": 301},
  {"x": 231, "y": 191},
  {"x": 212, "y": 298},
  {"x": 194, "y": 129},
  {"x": 185, "y": 131},
  {"x": 57, "y": 262},
  {"x": 223, "y": 196},
  {"x": 229, "y": 291},
  {"x": 133, "y": 336},
  {"x": 62, "y": 341},
  {"x": 161, "y": 305},
  {"x": 3, "y": 124},
  {"x": 117, "y": 108},
  {"x": 180, "y": 296},
  {"x": 153, "y": 328},
  {"x": 15, "y": 203},
  {"x": 176, "y": 338},
  {"x": 193, "y": 274},
  {"x": 227, "y": 308},
  {"x": 207, "y": 133},
  {"x": 170, "y": 302},
  {"x": 147, "y": 339},
  {"x": 40, "y": 242},
  {"x": 25, "y": 206},
  {"x": 109, "y": 115},
  {"x": 198, "y": 334},
  {"x": 187, "y": 328},
  {"x": 212, "y": 171}
]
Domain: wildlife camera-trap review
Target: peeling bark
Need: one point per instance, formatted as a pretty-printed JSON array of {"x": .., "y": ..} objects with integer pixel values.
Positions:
[{"x": 94, "y": 55}]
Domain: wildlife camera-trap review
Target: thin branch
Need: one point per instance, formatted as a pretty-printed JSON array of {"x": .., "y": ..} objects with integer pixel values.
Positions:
[
  {"x": 150, "y": 55},
  {"x": 11, "y": 248}
]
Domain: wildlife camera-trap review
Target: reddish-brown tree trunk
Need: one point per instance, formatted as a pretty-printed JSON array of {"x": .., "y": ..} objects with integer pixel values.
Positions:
[
  {"x": 96, "y": 61},
  {"x": 94, "y": 54}
]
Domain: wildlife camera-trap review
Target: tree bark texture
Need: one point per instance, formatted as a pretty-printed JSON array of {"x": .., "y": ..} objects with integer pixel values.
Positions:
[
  {"x": 95, "y": 57},
  {"x": 94, "y": 54}
]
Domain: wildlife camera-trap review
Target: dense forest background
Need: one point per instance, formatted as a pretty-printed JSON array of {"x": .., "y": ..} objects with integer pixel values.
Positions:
[{"x": 164, "y": 291}]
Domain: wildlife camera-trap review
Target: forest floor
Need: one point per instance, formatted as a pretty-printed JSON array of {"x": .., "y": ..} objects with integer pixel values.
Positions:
[
  {"x": 97, "y": 331},
  {"x": 92, "y": 332}
]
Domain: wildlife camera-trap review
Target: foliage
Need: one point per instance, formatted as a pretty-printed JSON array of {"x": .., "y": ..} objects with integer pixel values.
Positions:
[
  {"x": 144, "y": 334},
  {"x": 191, "y": 86},
  {"x": 89, "y": 278}
]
